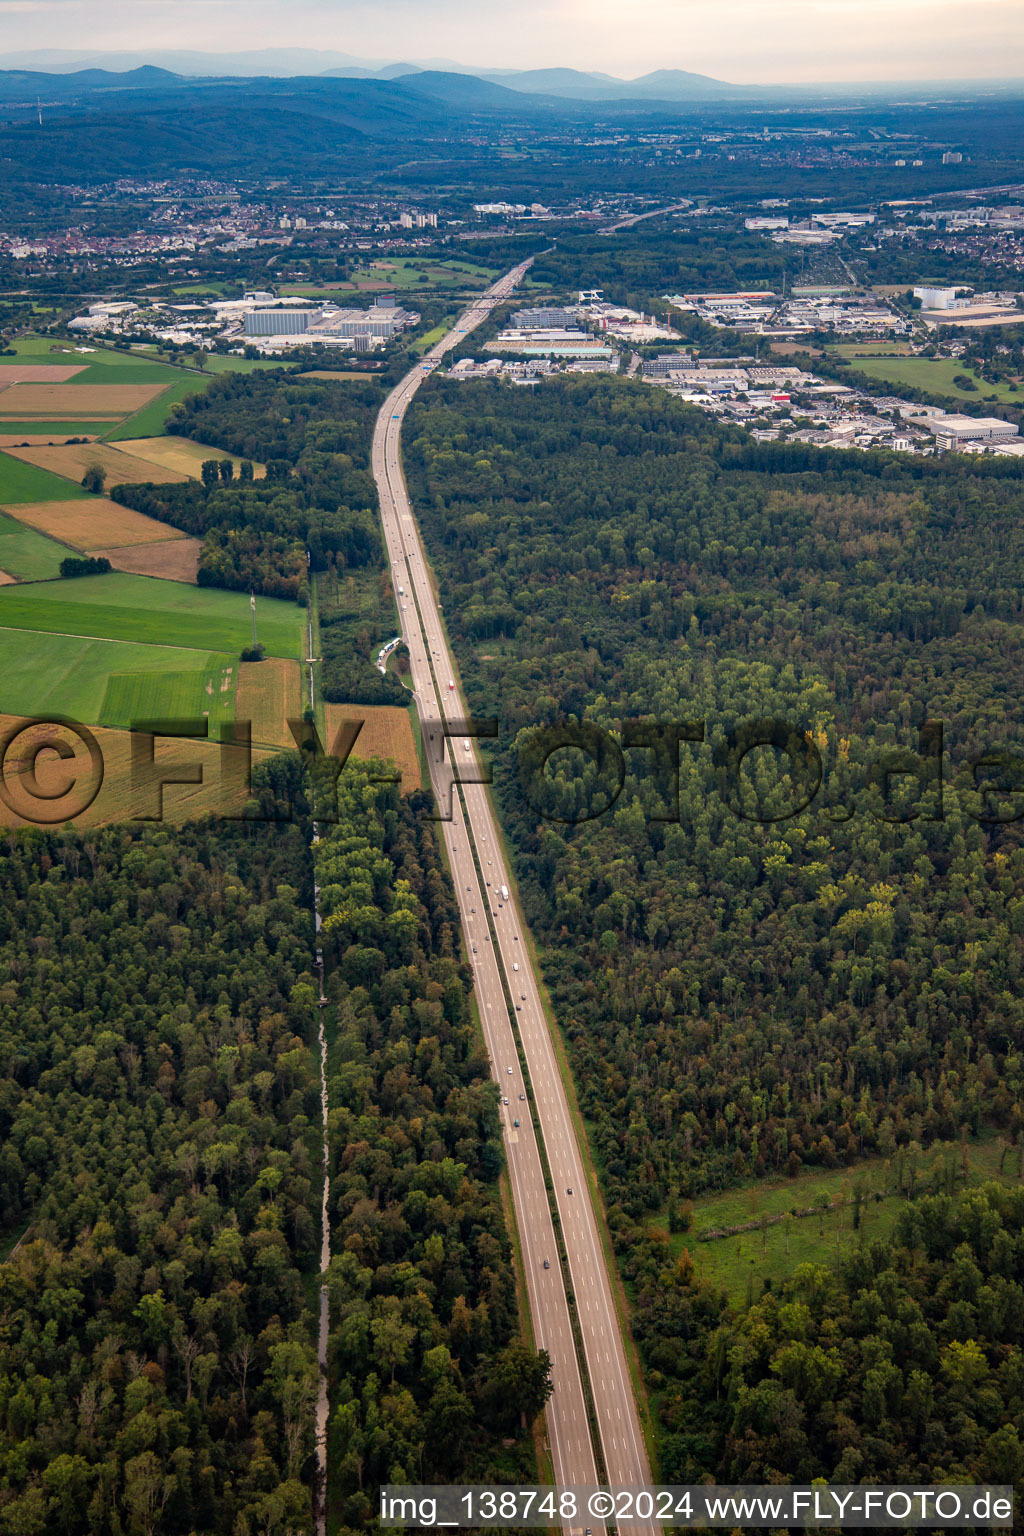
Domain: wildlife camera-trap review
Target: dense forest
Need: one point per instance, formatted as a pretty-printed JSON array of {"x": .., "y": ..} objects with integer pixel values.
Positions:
[
  {"x": 426, "y": 1359},
  {"x": 745, "y": 987},
  {"x": 158, "y": 1101},
  {"x": 639, "y": 266},
  {"x": 902, "y": 1364},
  {"x": 160, "y": 1138},
  {"x": 921, "y": 1339},
  {"x": 356, "y": 613},
  {"x": 743, "y": 993}
]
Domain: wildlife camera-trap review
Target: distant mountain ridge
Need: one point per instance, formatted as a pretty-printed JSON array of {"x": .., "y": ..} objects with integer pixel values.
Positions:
[
  {"x": 97, "y": 69},
  {"x": 283, "y": 63},
  {"x": 662, "y": 85}
]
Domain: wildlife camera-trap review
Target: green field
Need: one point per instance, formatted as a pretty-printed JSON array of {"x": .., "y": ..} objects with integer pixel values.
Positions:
[
  {"x": 405, "y": 274},
  {"x": 100, "y": 365},
  {"x": 220, "y": 362},
  {"x": 872, "y": 349},
  {"x": 60, "y": 674},
  {"x": 424, "y": 343},
  {"x": 37, "y": 349},
  {"x": 150, "y": 611},
  {"x": 103, "y": 365},
  {"x": 151, "y": 420},
  {"x": 409, "y": 273},
  {"x": 29, "y": 555},
  {"x": 936, "y": 375},
  {"x": 743, "y": 1262},
  {"x": 20, "y": 483},
  {"x": 131, "y": 698},
  {"x": 190, "y": 288},
  {"x": 57, "y": 429}
]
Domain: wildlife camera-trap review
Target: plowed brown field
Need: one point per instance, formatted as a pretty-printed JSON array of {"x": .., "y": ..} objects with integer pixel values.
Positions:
[{"x": 173, "y": 559}]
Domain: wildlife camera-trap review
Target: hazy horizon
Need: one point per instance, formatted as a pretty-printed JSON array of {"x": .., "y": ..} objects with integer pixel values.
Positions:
[{"x": 746, "y": 41}]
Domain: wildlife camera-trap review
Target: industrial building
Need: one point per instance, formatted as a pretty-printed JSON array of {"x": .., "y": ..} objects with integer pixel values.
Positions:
[
  {"x": 545, "y": 319},
  {"x": 937, "y": 298},
  {"x": 280, "y": 322},
  {"x": 364, "y": 328},
  {"x": 556, "y": 341},
  {"x": 953, "y": 431},
  {"x": 378, "y": 323}
]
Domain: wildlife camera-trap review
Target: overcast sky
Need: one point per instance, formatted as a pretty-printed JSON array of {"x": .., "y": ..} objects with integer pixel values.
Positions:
[{"x": 743, "y": 40}]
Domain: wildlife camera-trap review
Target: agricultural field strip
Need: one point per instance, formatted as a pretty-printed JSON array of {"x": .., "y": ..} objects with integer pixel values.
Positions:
[
  {"x": 147, "y": 610},
  {"x": 71, "y": 634}
]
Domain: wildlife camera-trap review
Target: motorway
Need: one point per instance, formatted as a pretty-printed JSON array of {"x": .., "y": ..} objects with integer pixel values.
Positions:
[{"x": 504, "y": 979}]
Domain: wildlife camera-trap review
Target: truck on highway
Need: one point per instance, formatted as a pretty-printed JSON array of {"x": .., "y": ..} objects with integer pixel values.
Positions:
[{"x": 504, "y": 892}]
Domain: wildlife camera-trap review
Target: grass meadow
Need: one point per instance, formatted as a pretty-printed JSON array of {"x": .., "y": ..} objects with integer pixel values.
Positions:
[
  {"x": 147, "y": 610},
  {"x": 64, "y": 675},
  {"x": 740, "y": 1264},
  {"x": 28, "y": 555},
  {"x": 21, "y": 482},
  {"x": 60, "y": 431},
  {"x": 132, "y": 698},
  {"x": 936, "y": 375}
]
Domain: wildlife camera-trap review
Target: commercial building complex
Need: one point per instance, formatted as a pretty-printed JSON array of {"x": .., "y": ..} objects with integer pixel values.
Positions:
[
  {"x": 279, "y": 322},
  {"x": 362, "y": 328},
  {"x": 541, "y": 319},
  {"x": 936, "y": 298}
]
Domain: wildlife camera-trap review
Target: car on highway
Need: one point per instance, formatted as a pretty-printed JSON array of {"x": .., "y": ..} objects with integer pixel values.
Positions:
[
  {"x": 515, "y": 1122},
  {"x": 505, "y": 1099},
  {"x": 510, "y": 1071},
  {"x": 569, "y": 1190},
  {"x": 547, "y": 1263},
  {"x": 522, "y": 1095},
  {"x": 515, "y": 965}
]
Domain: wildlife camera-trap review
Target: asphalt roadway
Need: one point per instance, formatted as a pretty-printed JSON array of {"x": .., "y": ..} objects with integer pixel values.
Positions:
[{"x": 508, "y": 993}]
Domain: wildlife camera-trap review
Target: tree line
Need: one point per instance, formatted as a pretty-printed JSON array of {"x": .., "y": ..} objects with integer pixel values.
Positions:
[
  {"x": 431, "y": 1380},
  {"x": 157, "y": 1113}
]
